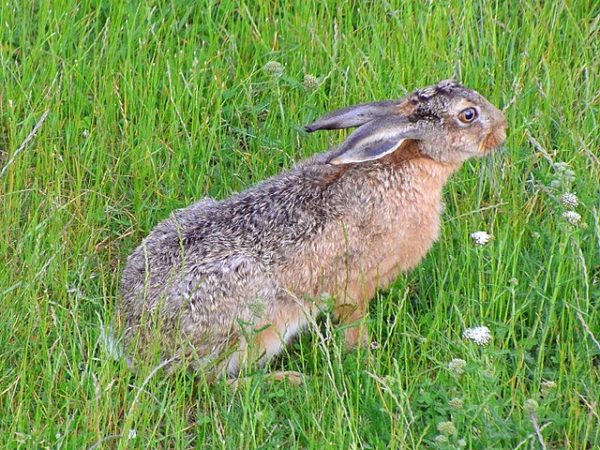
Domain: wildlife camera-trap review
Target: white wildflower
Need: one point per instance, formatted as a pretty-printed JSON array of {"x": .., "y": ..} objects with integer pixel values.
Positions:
[
  {"x": 457, "y": 366},
  {"x": 569, "y": 200},
  {"x": 132, "y": 434},
  {"x": 274, "y": 68},
  {"x": 85, "y": 134},
  {"x": 446, "y": 428},
  {"x": 572, "y": 217},
  {"x": 481, "y": 237},
  {"x": 374, "y": 345},
  {"x": 479, "y": 335},
  {"x": 461, "y": 442}
]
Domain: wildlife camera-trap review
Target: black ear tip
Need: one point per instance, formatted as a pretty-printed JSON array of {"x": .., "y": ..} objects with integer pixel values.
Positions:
[{"x": 310, "y": 128}]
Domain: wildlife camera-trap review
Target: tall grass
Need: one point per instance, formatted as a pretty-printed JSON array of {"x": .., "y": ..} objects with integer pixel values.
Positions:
[{"x": 153, "y": 105}]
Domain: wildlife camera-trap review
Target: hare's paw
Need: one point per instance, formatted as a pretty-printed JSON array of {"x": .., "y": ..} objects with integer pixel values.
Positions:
[{"x": 292, "y": 377}]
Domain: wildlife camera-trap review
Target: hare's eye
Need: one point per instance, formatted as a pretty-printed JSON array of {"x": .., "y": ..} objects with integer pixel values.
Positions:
[{"x": 468, "y": 115}]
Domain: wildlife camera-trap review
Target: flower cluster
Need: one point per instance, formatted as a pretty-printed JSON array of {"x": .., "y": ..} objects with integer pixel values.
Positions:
[
  {"x": 457, "y": 366},
  {"x": 572, "y": 217},
  {"x": 311, "y": 82},
  {"x": 276, "y": 70},
  {"x": 456, "y": 403},
  {"x": 481, "y": 237},
  {"x": 564, "y": 179},
  {"x": 479, "y": 335},
  {"x": 569, "y": 200},
  {"x": 565, "y": 176},
  {"x": 447, "y": 428},
  {"x": 448, "y": 431}
]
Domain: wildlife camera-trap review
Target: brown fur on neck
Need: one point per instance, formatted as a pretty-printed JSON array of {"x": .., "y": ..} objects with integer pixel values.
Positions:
[{"x": 408, "y": 150}]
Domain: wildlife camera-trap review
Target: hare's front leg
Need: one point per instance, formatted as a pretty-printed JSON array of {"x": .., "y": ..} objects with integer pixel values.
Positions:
[
  {"x": 353, "y": 310},
  {"x": 264, "y": 346},
  {"x": 257, "y": 346}
]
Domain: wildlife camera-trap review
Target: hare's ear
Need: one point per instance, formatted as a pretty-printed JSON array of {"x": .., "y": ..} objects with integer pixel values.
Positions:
[
  {"x": 376, "y": 139},
  {"x": 354, "y": 116}
]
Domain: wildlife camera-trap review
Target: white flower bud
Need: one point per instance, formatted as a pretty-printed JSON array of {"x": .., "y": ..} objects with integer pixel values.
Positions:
[
  {"x": 447, "y": 428},
  {"x": 310, "y": 82},
  {"x": 274, "y": 68},
  {"x": 457, "y": 366}
]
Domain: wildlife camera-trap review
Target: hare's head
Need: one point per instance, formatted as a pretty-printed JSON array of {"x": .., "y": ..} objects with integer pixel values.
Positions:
[{"x": 446, "y": 122}]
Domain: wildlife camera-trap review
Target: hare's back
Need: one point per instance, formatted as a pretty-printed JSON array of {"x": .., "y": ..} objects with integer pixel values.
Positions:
[{"x": 203, "y": 291}]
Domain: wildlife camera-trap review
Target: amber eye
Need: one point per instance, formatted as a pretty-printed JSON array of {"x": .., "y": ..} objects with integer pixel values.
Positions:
[{"x": 468, "y": 115}]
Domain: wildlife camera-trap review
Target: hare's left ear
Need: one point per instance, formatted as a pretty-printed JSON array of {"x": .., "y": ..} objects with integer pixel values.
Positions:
[
  {"x": 354, "y": 116},
  {"x": 376, "y": 139}
]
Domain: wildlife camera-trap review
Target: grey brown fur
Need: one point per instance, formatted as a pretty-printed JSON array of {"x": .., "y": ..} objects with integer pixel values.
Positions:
[{"x": 221, "y": 284}]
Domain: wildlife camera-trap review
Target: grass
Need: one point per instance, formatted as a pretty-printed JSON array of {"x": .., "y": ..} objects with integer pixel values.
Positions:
[{"x": 155, "y": 105}]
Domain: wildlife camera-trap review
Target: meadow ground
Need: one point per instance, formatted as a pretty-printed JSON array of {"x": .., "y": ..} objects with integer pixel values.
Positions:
[{"x": 152, "y": 106}]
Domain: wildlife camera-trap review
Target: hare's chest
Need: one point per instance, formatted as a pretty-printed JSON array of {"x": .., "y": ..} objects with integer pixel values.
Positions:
[{"x": 411, "y": 233}]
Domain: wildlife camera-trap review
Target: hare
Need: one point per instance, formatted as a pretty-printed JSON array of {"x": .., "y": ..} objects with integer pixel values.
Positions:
[{"x": 224, "y": 284}]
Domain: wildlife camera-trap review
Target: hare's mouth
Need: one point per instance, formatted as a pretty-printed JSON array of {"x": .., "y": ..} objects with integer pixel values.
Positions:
[{"x": 493, "y": 140}]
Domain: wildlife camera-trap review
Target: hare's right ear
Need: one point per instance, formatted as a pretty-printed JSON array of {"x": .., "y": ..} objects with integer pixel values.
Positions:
[
  {"x": 376, "y": 139},
  {"x": 354, "y": 116}
]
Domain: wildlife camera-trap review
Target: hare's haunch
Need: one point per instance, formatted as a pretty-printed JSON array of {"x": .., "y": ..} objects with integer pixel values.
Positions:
[{"x": 221, "y": 284}]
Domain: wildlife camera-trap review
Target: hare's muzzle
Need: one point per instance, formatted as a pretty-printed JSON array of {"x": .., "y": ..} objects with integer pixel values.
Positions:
[{"x": 496, "y": 137}]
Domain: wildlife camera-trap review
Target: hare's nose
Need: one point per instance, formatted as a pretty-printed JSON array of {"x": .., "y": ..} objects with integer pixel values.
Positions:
[
  {"x": 500, "y": 119},
  {"x": 502, "y": 122}
]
